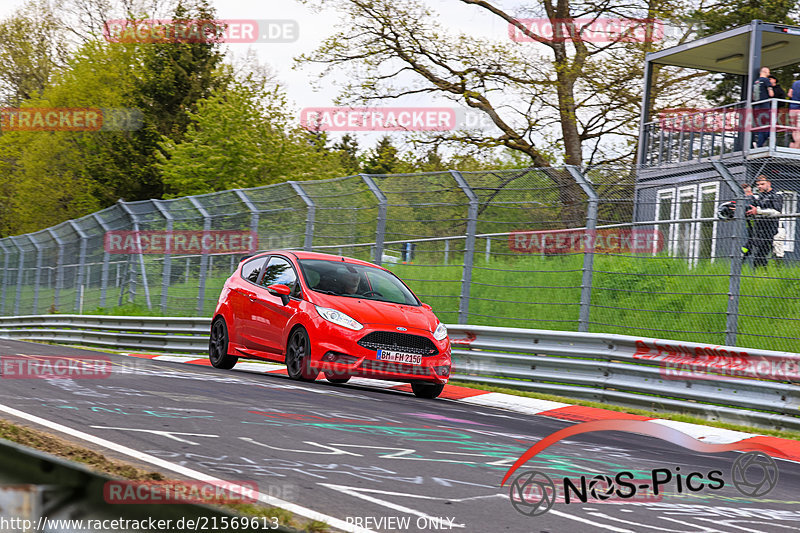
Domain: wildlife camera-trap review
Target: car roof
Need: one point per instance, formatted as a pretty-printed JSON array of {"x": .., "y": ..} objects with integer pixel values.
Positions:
[{"x": 302, "y": 254}]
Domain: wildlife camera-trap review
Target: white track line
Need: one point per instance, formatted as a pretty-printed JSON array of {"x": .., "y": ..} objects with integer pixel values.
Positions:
[{"x": 188, "y": 472}]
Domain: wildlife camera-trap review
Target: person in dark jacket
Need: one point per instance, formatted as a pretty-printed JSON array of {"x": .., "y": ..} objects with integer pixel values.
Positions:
[
  {"x": 762, "y": 90},
  {"x": 766, "y": 209}
]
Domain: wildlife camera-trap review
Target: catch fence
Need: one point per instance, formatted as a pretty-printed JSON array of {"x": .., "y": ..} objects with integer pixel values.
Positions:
[{"x": 597, "y": 250}]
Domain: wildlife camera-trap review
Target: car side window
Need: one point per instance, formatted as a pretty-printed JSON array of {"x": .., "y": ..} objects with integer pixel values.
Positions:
[
  {"x": 280, "y": 271},
  {"x": 252, "y": 268}
]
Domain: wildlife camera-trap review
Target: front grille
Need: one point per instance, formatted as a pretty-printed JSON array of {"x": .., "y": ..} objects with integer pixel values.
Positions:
[{"x": 401, "y": 342}]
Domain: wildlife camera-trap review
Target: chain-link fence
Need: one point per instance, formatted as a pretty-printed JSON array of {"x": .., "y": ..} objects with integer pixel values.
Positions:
[{"x": 601, "y": 250}]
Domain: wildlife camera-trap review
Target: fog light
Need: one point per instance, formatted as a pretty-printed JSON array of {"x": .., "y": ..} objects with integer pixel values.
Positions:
[
  {"x": 334, "y": 357},
  {"x": 443, "y": 371}
]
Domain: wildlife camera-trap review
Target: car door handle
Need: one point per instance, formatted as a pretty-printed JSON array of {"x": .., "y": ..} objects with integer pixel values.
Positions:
[{"x": 248, "y": 294}]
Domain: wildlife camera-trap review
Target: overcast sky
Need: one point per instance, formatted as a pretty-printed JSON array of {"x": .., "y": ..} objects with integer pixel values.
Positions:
[{"x": 313, "y": 28}]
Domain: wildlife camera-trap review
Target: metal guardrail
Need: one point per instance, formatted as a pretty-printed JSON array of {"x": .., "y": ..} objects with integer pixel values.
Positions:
[
  {"x": 40, "y": 492},
  {"x": 737, "y": 385},
  {"x": 169, "y": 334}
]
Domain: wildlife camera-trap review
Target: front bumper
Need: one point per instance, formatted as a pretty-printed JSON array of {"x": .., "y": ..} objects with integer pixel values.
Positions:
[{"x": 337, "y": 353}]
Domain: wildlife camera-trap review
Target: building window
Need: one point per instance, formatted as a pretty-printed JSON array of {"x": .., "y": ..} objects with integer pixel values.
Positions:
[
  {"x": 686, "y": 236},
  {"x": 686, "y": 232},
  {"x": 707, "y": 208},
  {"x": 666, "y": 199}
]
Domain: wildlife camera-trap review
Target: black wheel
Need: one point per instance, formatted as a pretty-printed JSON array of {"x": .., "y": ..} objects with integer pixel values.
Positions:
[
  {"x": 298, "y": 356},
  {"x": 334, "y": 379},
  {"x": 218, "y": 346},
  {"x": 426, "y": 390}
]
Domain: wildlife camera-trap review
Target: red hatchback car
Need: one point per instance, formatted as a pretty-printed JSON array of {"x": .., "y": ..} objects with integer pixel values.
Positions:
[{"x": 325, "y": 313}]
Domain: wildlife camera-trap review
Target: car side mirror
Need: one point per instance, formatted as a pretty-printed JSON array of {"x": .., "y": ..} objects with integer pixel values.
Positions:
[
  {"x": 280, "y": 290},
  {"x": 428, "y": 307}
]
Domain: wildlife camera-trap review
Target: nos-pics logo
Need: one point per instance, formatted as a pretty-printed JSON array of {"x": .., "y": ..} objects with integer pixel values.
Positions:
[{"x": 533, "y": 493}]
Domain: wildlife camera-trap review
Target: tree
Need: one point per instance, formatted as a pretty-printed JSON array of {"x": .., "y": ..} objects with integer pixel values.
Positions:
[
  {"x": 575, "y": 90},
  {"x": 383, "y": 158},
  {"x": 239, "y": 138},
  {"x": 32, "y": 49},
  {"x": 347, "y": 148}
]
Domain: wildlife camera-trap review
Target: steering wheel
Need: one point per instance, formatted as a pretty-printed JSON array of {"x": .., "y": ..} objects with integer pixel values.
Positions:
[{"x": 372, "y": 293}]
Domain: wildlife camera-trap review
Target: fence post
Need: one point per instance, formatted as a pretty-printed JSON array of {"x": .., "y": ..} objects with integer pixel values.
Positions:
[
  {"x": 588, "y": 255},
  {"x": 310, "y": 214},
  {"x": 36, "y": 275},
  {"x": 81, "y": 261},
  {"x": 201, "y": 291},
  {"x": 469, "y": 247},
  {"x": 380, "y": 226},
  {"x": 135, "y": 222},
  {"x": 20, "y": 267},
  {"x": 739, "y": 228},
  {"x": 254, "y": 216},
  {"x": 59, "y": 268},
  {"x": 5, "y": 278},
  {"x": 166, "y": 272},
  {"x": 106, "y": 259}
]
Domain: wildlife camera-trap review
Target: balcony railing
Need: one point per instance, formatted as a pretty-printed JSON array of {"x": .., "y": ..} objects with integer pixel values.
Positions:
[{"x": 691, "y": 135}]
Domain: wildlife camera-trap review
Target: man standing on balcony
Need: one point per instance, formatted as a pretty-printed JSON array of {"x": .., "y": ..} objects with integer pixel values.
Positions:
[
  {"x": 762, "y": 90},
  {"x": 766, "y": 209}
]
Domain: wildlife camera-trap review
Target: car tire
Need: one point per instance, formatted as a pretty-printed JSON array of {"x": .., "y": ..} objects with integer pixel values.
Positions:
[
  {"x": 338, "y": 380},
  {"x": 298, "y": 356},
  {"x": 426, "y": 390},
  {"x": 218, "y": 346}
]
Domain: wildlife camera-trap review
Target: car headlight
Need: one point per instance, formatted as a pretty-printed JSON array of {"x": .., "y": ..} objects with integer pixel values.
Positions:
[
  {"x": 441, "y": 332},
  {"x": 339, "y": 318}
]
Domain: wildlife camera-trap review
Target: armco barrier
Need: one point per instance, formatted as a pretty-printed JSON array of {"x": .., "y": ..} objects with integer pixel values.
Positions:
[
  {"x": 53, "y": 494},
  {"x": 738, "y": 385}
]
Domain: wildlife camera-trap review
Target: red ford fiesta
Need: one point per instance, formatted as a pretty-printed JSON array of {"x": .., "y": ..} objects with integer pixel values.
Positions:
[{"x": 325, "y": 313}]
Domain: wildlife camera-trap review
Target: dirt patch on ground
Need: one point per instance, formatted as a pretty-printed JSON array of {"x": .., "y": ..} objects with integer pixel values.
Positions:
[{"x": 59, "y": 447}]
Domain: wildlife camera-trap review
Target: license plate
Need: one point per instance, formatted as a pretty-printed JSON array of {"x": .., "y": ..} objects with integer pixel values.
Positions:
[{"x": 399, "y": 357}]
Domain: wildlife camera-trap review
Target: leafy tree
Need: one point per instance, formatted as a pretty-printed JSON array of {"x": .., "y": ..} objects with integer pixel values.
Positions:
[
  {"x": 239, "y": 138},
  {"x": 31, "y": 50},
  {"x": 562, "y": 90},
  {"x": 383, "y": 159},
  {"x": 347, "y": 148}
]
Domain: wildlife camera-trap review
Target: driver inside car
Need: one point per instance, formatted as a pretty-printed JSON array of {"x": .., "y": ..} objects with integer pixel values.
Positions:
[{"x": 350, "y": 282}]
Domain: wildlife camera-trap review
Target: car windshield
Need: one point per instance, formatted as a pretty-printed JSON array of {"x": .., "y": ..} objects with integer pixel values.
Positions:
[{"x": 355, "y": 281}]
